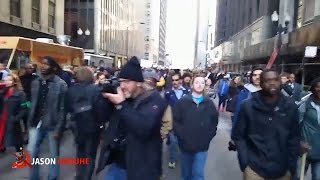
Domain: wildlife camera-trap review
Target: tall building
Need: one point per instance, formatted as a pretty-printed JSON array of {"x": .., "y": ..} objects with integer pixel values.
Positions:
[
  {"x": 114, "y": 27},
  {"x": 32, "y": 18},
  {"x": 152, "y": 23},
  {"x": 247, "y": 31},
  {"x": 162, "y": 33},
  {"x": 234, "y": 16},
  {"x": 239, "y": 25},
  {"x": 155, "y": 31},
  {"x": 201, "y": 37}
]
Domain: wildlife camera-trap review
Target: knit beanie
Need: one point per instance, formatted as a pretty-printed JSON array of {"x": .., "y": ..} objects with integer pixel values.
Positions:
[
  {"x": 132, "y": 70},
  {"x": 150, "y": 73}
]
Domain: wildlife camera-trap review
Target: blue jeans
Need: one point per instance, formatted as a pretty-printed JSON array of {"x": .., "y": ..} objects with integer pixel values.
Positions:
[
  {"x": 173, "y": 147},
  {"x": 115, "y": 173},
  {"x": 315, "y": 169},
  {"x": 192, "y": 165},
  {"x": 36, "y": 136}
]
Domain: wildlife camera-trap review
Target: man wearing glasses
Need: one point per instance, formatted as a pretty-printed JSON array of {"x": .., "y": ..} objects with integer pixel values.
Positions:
[{"x": 172, "y": 96}]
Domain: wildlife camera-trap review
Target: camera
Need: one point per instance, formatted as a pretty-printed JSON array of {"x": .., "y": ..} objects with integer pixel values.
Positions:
[{"x": 111, "y": 86}]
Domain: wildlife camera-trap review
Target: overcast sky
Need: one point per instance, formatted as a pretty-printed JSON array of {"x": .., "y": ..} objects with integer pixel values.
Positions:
[{"x": 181, "y": 30}]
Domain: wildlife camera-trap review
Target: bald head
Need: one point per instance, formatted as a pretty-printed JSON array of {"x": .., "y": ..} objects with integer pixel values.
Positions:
[{"x": 28, "y": 68}]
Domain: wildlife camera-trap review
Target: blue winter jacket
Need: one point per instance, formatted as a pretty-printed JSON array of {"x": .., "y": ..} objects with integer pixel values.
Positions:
[
  {"x": 223, "y": 87},
  {"x": 243, "y": 95},
  {"x": 171, "y": 97}
]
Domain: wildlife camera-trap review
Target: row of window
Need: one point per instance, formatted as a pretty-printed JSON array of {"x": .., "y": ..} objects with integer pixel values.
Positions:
[{"x": 15, "y": 10}]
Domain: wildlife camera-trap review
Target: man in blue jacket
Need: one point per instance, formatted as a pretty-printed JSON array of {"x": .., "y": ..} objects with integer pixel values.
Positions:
[
  {"x": 223, "y": 88},
  {"x": 267, "y": 133},
  {"x": 172, "y": 96},
  {"x": 244, "y": 94},
  {"x": 140, "y": 114}
]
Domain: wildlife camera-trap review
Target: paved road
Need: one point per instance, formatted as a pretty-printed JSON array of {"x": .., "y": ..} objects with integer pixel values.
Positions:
[{"x": 221, "y": 164}]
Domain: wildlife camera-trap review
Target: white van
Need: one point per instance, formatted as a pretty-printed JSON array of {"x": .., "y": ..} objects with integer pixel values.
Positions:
[{"x": 97, "y": 60}]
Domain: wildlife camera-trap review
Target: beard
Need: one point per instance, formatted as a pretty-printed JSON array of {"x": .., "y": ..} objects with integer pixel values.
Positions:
[{"x": 127, "y": 95}]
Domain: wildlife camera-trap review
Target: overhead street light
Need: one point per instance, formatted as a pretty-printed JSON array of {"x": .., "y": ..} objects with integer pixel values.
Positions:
[
  {"x": 274, "y": 16},
  {"x": 87, "y": 32},
  {"x": 80, "y": 32},
  {"x": 278, "y": 28}
]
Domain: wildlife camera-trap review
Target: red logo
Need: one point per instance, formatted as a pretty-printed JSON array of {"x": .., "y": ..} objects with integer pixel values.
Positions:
[{"x": 22, "y": 160}]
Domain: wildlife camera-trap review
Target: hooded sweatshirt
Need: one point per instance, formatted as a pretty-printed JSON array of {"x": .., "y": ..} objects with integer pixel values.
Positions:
[{"x": 244, "y": 94}]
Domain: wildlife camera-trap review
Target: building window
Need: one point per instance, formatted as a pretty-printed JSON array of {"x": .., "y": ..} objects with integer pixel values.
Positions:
[
  {"x": 52, "y": 12},
  {"x": 36, "y": 11},
  {"x": 15, "y": 9},
  {"x": 250, "y": 16}
]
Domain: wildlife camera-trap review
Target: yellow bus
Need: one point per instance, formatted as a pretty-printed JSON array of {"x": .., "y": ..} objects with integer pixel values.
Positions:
[{"x": 17, "y": 51}]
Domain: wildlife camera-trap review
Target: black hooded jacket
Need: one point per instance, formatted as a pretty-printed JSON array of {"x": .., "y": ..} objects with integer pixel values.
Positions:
[{"x": 268, "y": 136}]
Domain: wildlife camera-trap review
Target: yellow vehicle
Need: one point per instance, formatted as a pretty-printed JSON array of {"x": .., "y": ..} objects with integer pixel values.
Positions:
[{"x": 17, "y": 51}]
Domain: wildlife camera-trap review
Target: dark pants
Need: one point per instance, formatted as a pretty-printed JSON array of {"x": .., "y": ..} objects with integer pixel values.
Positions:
[
  {"x": 222, "y": 100},
  {"x": 87, "y": 145}
]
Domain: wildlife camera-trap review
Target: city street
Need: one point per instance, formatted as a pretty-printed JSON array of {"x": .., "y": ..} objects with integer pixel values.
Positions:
[{"x": 221, "y": 163}]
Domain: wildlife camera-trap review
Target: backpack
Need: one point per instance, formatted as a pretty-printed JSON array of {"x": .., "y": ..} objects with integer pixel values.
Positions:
[{"x": 83, "y": 110}]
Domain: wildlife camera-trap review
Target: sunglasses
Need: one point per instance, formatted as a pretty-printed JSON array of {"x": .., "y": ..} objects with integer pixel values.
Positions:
[{"x": 175, "y": 79}]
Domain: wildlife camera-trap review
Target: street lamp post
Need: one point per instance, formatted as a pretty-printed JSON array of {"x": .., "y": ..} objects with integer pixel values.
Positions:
[
  {"x": 278, "y": 29},
  {"x": 79, "y": 31},
  {"x": 127, "y": 38}
]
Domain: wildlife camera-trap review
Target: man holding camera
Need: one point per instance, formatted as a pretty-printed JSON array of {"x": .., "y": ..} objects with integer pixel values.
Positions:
[{"x": 132, "y": 143}]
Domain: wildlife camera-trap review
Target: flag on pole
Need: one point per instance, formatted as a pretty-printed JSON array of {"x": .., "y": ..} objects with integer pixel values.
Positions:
[
  {"x": 272, "y": 58},
  {"x": 275, "y": 52}
]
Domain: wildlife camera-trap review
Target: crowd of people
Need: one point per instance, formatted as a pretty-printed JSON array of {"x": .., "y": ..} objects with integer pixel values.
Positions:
[{"x": 132, "y": 113}]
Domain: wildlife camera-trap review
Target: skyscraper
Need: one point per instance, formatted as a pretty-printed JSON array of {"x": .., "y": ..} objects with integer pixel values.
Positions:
[
  {"x": 162, "y": 32},
  {"x": 201, "y": 36},
  {"x": 115, "y": 27}
]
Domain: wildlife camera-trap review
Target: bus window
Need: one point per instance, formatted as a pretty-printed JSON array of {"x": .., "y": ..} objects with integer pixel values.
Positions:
[
  {"x": 20, "y": 58},
  {"x": 5, "y": 55},
  {"x": 86, "y": 62}
]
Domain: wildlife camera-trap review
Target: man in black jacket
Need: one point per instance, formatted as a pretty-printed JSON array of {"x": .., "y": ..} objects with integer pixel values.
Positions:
[
  {"x": 139, "y": 116},
  {"x": 297, "y": 88},
  {"x": 267, "y": 132}
]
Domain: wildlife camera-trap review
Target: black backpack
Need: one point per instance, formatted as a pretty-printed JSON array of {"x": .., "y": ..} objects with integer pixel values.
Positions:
[{"x": 83, "y": 110}]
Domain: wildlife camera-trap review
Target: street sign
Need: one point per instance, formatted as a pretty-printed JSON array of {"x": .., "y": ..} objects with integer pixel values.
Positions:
[{"x": 310, "y": 51}]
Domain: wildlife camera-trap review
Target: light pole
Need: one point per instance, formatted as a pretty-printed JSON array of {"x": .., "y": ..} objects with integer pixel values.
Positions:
[
  {"x": 207, "y": 45},
  {"x": 79, "y": 31},
  {"x": 127, "y": 38},
  {"x": 277, "y": 29}
]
